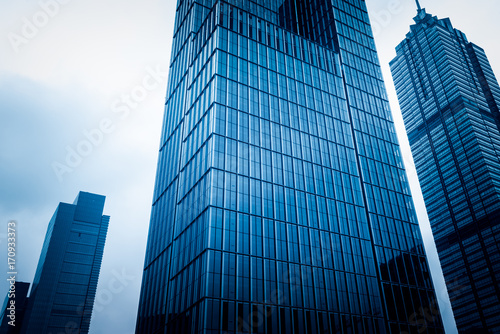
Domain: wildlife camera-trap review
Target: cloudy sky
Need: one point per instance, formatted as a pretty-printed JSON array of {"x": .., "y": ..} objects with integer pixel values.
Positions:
[{"x": 74, "y": 69}]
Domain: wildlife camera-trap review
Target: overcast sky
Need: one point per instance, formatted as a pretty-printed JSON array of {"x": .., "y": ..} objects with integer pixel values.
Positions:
[{"x": 79, "y": 68}]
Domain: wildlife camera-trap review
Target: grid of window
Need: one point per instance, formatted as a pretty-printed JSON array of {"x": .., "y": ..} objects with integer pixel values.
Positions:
[
  {"x": 281, "y": 202},
  {"x": 65, "y": 282},
  {"x": 449, "y": 99}
]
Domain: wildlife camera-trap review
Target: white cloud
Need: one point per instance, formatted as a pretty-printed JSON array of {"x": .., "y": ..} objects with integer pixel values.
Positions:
[
  {"x": 62, "y": 83},
  {"x": 69, "y": 74}
]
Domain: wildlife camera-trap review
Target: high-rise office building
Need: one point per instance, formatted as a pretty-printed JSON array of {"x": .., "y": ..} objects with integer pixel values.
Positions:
[
  {"x": 13, "y": 308},
  {"x": 281, "y": 203},
  {"x": 65, "y": 283},
  {"x": 450, "y": 102}
]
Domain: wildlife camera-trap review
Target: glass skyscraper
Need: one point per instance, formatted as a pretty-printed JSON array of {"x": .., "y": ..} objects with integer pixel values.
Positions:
[
  {"x": 450, "y": 101},
  {"x": 64, "y": 288},
  {"x": 12, "y": 316},
  {"x": 281, "y": 203}
]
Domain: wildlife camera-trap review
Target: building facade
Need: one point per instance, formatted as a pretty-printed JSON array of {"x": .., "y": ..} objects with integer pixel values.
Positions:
[
  {"x": 65, "y": 283},
  {"x": 281, "y": 203},
  {"x": 450, "y": 102},
  {"x": 13, "y": 308}
]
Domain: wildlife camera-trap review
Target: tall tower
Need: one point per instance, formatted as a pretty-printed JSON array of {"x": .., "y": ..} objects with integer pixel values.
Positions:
[
  {"x": 281, "y": 203},
  {"x": 13, "y": 308},
  {"x": 450, "y": 101},
  {"x": 63, "y": 291}
]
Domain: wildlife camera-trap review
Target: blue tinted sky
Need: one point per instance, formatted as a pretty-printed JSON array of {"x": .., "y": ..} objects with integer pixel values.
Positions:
[{"x": 96, "y": 69}]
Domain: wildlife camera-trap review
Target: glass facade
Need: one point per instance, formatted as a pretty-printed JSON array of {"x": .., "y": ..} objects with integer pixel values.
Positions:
[
  {"x": 65, "y": 283},
  {"x": 20, "y": 300},
  {"x": 281, "y": 203},
  {"x": 450, "y": 101}
]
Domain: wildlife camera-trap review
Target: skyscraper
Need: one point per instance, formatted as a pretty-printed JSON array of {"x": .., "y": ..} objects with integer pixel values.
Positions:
[
  {"x": 281, "y": 203},
  {"x": 63, "y": 291},
  {"x": 450, "y": 101},
  {"x": 12, "y": 314}
]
